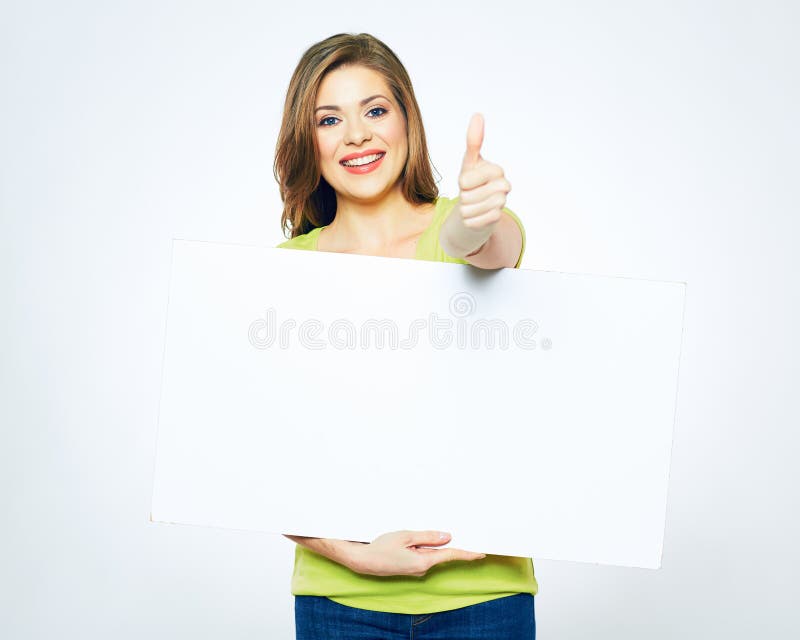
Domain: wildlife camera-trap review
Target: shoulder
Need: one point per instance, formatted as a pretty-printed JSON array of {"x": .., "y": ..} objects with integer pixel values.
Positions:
[
  {"x": 516, "y": 219},
  {"x": 432, "y": 250},
  {"x": 306, "y": 241},
  {"x": 428, "y": 247}
]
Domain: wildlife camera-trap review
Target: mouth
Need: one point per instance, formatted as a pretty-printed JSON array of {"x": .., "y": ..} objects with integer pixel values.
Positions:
[
  {"x": 364, "y": 164},
  {"x": 363, "y": 161}
]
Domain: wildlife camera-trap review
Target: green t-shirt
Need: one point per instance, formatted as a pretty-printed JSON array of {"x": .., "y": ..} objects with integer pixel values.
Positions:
[{"x": 445, "y": 586}]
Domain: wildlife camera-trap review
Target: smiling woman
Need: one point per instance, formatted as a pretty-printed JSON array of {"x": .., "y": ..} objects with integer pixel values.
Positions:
[
  {"x": 355, "y": 177},
  {"x": 362, "y": 129}
]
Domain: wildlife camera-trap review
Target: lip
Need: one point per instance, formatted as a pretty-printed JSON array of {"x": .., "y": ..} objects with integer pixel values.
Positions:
[
  {"x": 365, "y": 168},
  {"x": 360, "y": 154}
]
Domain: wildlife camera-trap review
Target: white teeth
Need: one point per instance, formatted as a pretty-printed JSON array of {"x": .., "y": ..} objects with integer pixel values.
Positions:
[{"x": 357, "y": 162}]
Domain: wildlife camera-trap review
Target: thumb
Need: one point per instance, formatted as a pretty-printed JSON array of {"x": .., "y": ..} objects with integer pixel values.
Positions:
[
  {"x": 474, "y": 141},
  {"x": 428, "y": 537}
]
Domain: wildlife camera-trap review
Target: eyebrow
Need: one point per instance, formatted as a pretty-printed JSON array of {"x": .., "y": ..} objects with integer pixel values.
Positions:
[{"x": 333, "y": 107}]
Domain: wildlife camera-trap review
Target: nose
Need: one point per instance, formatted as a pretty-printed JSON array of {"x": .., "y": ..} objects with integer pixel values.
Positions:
[{"x": 356, "y": 131}]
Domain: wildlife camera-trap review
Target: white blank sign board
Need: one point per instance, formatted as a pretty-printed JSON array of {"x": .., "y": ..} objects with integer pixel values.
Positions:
[{"x": 529, "y": 413}]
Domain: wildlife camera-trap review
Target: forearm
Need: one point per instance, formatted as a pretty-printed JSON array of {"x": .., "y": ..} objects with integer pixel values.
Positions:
[
  {"x": 343, "y": 552},
  {"x": 498, "y": 247},
  {"x": 457, "y": 239},
  {"x": 503, "y": 247}
]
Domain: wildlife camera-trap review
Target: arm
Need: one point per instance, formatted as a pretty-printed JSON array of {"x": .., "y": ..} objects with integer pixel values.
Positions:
[
  {"x": 340, "y": 551},
  {"x": 500, "y": 249},
  {"x": 478, "y": 229},
  {"x": 391, "y": 554}
]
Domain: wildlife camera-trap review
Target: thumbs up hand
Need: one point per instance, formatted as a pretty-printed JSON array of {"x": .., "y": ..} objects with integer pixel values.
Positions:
[
  {"x": 482, "y": 195},
  {"x": 482, "y": 184}
]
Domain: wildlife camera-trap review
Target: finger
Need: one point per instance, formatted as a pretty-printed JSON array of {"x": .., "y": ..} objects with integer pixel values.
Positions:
[
  {"x": 494, "y": 201},
  {"x": 428, "y": 537},
  {"x": 491, "y": 218},
  {"x": 479, "y": 174},
  {"x": 447, "y": 555},
  {"x": 475, "y": 137},
  {"x": 483, "y": 192},
  {"x": 474, "y": 141}
]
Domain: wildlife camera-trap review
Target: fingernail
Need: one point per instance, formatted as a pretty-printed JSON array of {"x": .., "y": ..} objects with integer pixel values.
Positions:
[{"x": 443, "y": 535}]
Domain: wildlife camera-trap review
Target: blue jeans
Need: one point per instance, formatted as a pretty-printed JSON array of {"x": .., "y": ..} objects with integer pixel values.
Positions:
[{"x": 507, "y": 618}]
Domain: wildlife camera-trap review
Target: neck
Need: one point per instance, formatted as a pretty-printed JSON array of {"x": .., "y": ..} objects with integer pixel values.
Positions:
[{"x": 374, "y": 223}]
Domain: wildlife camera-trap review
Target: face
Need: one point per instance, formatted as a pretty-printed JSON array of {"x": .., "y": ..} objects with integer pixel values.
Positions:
[{"x": 356, "y": 113}]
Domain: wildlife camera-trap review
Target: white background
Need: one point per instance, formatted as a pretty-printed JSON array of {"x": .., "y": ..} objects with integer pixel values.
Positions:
[{"x": 652, "y": 140}]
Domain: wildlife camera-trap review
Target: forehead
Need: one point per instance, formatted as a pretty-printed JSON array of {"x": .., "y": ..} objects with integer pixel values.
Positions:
[{"x": 348, "y": 85}]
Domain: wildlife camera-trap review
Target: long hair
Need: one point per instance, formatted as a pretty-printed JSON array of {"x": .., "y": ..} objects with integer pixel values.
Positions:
[{"x": 308, "y": 200}]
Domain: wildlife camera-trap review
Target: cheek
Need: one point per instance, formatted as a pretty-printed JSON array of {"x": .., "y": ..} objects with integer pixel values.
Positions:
[
  {"x": 327, "y": 147},
  {"x": 398, "y": 133}
]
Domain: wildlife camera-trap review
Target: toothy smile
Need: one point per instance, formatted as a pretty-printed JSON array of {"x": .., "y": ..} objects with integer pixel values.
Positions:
[{"x": 358, "y": 162}]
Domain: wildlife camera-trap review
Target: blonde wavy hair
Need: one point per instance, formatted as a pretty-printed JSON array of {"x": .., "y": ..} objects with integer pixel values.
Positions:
[{"x": 308, "y": 200}]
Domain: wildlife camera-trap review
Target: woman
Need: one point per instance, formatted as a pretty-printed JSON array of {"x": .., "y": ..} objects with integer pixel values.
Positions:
[{"x": 354, "y": 175}]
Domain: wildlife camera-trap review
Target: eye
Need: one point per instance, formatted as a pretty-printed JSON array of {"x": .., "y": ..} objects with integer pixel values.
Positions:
[{"x": 324, "y": 122}]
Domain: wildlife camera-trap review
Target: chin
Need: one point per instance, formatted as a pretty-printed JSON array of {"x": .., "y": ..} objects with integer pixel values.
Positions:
[
  {"x": 367, "y": 191},
  {"x": 372, "y": 194}
]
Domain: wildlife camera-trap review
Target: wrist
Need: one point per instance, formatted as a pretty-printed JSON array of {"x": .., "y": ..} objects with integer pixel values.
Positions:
[
  {"x": 352, "y": 555},
  {"x": 344, "y": 552},
  {"x": 460, "y": 241},
  {"x": 479, "y": 249}
]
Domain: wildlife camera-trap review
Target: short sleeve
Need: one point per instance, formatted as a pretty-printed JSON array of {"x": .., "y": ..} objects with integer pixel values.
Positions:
[
  {"x": 307, "y": 241},
  {"x": 516, "y": 219},
  {"x": 428, "y": 247}
]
